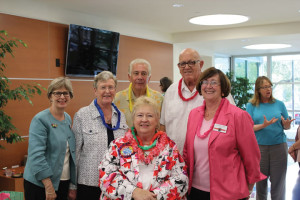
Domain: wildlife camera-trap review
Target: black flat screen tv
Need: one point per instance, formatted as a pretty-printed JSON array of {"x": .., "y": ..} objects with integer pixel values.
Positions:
[{"x": 91, "y": 51}]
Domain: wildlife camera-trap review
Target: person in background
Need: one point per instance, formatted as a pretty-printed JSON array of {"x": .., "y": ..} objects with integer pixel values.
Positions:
[
  {"x": 50, "y": 166},
  {"x": 182, "y": 97},
  {"x": 270, "y": 119},
  {"x": 95, "y": 126},
  {"x": 145, "y": 163},
  {"x": 295, "y": 148},
  {"x": 165, "y": 83},
  {"x": 220, "y": 149},
  {"x": 139, "y": 74}
]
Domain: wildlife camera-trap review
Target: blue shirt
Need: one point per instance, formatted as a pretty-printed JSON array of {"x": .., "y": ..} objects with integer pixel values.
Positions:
[{"x": 272, "y": 134}]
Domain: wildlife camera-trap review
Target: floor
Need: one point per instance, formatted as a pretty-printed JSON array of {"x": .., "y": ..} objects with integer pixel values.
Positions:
[{"x": 292, "y": 181}]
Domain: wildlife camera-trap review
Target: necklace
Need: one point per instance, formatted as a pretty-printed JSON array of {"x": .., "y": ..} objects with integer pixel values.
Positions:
[
  {"x": 140, "y": 143},
  {"x": 129, "y": 96},
  {"x": 102, "y": 116},
  {"x": 214, "y": 120},
  {"x": 162, "y": 141},
  {"x": 180, "y": 93}
]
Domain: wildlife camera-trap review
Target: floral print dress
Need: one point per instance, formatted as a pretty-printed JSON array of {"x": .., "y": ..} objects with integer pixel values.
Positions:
[{"x": 119, "y": 170}]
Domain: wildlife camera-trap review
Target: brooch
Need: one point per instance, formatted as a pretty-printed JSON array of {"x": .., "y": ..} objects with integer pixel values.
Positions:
[
  {"x": 126, "y": 151},
  {"x": 54, "y": 125}
]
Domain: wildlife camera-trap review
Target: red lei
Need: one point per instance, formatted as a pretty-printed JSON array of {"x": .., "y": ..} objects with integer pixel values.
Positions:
[
  {"x": 162, "y": 140},
  {"x": 180, "y": 93}
]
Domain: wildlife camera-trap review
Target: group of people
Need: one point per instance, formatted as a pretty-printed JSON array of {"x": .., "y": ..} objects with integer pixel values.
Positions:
[{"x": 192, "y": 142}]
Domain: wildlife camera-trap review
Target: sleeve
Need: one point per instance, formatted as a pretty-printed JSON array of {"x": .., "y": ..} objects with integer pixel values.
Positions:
[
  {"x": 38, "y": 138},
  {"x": 176, "y": 185},
  {"x": 77, "y": 130},
  {"x": 162, "y": 113},
  {"x": 284, "y": 111},
  {"x": 113, "y": 183},
  {"x": 248, "y": 147}
]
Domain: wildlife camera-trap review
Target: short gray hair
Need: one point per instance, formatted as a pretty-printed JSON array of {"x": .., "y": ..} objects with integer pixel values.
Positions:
[
  {"x": 139, "y": 61},
  {"x": 104, "y": 76},
  {"x": 58, "y": 83}
]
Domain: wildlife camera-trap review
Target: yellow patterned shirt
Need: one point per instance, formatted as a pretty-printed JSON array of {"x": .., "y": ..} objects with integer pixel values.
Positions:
[{"x": 122, "y": 102}]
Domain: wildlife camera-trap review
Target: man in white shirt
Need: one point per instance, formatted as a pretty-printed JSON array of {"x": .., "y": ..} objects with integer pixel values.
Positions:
[{"x": 182, "y": 97}]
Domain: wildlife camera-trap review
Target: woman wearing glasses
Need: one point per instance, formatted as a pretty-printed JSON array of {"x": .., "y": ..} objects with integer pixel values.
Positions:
[
  {"x": 220, "y": 150},
  {"x": 50, "y": 166},
  {"x": 270, "y": 119},
  {"x": 95, "y": 126}
]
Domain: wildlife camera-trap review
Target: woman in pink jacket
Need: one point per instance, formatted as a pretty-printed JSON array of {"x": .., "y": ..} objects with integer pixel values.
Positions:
[{"x": 220, "y": 148}]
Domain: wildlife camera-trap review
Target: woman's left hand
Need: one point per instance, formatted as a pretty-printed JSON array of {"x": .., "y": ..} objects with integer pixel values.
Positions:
[
  {"x": 141, "y": 194},
  {"x": 72, "y": 194},
  {"x": 286, "y": 123}
]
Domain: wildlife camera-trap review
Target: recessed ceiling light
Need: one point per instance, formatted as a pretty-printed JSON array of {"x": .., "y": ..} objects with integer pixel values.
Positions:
[
  {"x": 177, "y": 5},
  {"x": 268, "y": 46},
  {"x": 219, "y": 19}
]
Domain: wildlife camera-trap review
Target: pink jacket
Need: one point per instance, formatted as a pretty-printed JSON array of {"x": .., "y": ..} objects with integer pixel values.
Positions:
[{"x": 234, "y": 156}]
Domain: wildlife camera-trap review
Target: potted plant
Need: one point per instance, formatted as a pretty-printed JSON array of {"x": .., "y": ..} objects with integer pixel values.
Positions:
[{"x": 24, "y": 91}]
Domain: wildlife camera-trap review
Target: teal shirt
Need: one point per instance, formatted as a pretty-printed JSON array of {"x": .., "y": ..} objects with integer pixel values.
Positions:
[
  {"x": 47, "y": 149},
  {"x": 272, "y": 134}
]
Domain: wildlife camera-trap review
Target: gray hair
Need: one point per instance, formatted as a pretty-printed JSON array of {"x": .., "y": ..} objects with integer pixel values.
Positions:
[
  {"x": 139, "y": 61},
  {"x": 58, "y": 83},
  {"x": 104, "y": 76}
]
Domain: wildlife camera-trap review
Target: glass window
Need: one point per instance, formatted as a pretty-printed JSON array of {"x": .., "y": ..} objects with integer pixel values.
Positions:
[{"x": 222, "y": 64}]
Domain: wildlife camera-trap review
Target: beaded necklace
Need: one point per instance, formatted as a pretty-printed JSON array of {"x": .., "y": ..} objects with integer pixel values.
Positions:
[
  {"x": 140, "y": 143},
  {"x": 129, "y": 96},
  {"x": 102, "y": 115},
  {"x": 180, "y": 93}
]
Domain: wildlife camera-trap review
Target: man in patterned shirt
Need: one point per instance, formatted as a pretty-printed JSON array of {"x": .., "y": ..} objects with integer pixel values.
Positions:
[{"x": 139, "y": 74}]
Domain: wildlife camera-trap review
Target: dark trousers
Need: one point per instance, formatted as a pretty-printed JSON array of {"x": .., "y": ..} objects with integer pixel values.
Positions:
[
  {"x": 34, "y": 192},
  {"x": 85, "y": 192},
  {"x": 196, "y": 194}
]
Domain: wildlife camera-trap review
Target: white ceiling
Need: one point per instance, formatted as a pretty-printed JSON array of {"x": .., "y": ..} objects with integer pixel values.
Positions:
[{"x": 271, "y": 21}]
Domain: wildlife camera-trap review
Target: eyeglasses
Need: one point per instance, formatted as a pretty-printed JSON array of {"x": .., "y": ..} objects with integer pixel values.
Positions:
[
  {"x": 110, "y": 88},
  {"x": 58, "y": 94},
  {"x": 211, "y": 83},
  {"x": 190, "y": 63},
  {"x": 267, "y": 87},
  {"x": 143, "y": 73}
]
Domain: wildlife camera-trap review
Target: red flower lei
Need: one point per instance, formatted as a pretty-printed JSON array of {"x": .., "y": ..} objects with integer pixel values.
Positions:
[
  {"x": 180, "y": 93},
  {"x": 162, "y": 140}
]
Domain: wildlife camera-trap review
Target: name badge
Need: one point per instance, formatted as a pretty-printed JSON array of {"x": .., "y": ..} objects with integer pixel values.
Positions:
[{"x": 220, "y": 128}]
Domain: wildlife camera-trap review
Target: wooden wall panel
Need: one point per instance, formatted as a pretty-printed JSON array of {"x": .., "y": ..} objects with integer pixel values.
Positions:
[{"x": 48, "y": 41}]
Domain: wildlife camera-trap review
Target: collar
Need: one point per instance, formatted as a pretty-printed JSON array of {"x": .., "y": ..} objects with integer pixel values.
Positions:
[{"x": 185, "y": 87}]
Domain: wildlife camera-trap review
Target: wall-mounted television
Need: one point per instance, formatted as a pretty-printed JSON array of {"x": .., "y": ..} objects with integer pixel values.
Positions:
[{"x": 91, "y": 51}]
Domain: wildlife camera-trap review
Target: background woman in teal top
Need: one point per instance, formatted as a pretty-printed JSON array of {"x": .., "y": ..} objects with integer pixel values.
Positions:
[
  {"x": 270, "y": 119},
  {"x": 50, "y": 165}
]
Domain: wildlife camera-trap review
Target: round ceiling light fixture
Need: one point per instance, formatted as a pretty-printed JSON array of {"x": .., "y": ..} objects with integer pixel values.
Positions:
[
  {"x": 219, "y": 19},
  {"x": 267, "y": 46}
]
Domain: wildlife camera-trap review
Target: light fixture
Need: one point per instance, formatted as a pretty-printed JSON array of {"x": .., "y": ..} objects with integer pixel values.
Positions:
[
  {"x": 177, "y": 5},
  {"x": 219, "y": 19},
  {"x": 267, "y": 46}
]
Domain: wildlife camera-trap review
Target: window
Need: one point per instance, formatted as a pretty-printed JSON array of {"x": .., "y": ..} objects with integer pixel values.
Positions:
[{"x": 283, "y": 71}]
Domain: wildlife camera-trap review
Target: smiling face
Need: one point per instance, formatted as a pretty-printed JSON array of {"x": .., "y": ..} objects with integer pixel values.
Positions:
[
  {"x": 265, "y": 91},
  {"x": 190, "y": 73},
  {"x": 211, "y": 88},
  {"x": 105, "y": 92},
  {"x": 145, "y": 121},
  {"x": 60, "y": 98},
  {"x": 139, "y": 76}
]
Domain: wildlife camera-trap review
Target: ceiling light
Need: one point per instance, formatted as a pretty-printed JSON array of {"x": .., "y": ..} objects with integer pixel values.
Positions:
[
  {"x": 177, "y": 5},
  {"x": 267, "y": 46},
  {"x": 219, "y": 19}
]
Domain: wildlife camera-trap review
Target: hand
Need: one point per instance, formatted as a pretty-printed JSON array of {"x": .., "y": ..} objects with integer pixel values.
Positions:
[
  {"x": 292, "y": 153},
  {"x": 72, "y": 194},
  {"x": 267, "y": 123},
  {"x": 286, "y": 123},
  {"x": 140, "y": 194},
  {"x": 49, "y": 189}
]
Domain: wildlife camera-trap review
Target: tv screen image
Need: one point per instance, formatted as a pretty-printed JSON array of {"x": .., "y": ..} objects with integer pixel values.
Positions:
[{"x": 91, "y": 51}]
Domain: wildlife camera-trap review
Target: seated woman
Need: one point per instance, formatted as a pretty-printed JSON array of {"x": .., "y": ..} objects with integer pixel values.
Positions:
[
  {"x": 144, "y": 164},
  {"x": 220, "y": 147}
]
